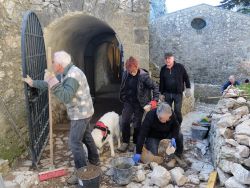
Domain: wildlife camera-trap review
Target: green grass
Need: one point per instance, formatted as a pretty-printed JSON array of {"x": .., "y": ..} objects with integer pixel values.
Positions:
[
  {"x": 10, "y": 150},
  {"x": 245, "y": 88}
]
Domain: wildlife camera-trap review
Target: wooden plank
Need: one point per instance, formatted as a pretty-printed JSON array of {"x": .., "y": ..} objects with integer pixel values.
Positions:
[
  {"x": 212, "y": 179},
  {"x": 49, "y": 67}
]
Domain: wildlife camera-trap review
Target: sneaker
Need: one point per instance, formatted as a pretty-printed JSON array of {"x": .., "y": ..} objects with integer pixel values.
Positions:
[
  {"x": 72, "y": 180},
  {"x": 123, "y": 147},
  {"x": 131, "y": 147}
]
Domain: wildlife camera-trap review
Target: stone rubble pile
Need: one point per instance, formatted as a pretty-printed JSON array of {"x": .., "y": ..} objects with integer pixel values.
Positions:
[
  {"x": 156, "y": 176},
  {"x": 230, "y": 142}
]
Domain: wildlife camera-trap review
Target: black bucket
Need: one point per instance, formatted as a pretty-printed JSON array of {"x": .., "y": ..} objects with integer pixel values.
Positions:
[
  {"x": 89, "y": 176},
  {"x": 199, "y": 132},
  {"x": 123, "y": 170}
]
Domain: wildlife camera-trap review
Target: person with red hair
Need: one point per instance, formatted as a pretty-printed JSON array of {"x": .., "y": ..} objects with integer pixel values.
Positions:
[{"x": 135, "y": 93}]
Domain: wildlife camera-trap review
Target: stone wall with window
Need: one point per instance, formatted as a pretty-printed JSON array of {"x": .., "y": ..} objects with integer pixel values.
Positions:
[{"x": 211, "y": 42}]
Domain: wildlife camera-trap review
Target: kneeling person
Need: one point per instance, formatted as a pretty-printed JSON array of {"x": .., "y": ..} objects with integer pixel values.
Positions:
[{"x": 159, "y": 124}]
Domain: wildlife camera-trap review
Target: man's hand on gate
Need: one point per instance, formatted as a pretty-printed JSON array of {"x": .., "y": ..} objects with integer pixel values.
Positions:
[{"x": 28, "y": 80}]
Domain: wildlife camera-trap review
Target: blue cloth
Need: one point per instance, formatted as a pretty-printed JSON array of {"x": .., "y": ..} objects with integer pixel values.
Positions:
[
  {"x": 228, "y": 83},
  {"x": 137, "y": 158}
]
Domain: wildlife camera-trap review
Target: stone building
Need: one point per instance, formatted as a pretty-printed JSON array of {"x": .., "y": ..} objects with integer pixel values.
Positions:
[
  {"x": 211, "y": 42},
  {"x": 95, "y": 33}
]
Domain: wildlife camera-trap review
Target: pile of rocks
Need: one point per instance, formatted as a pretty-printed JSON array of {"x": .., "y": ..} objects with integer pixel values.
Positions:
[
  {"x": 154, "y": 175},
  {"x": 230, "y": 142}
]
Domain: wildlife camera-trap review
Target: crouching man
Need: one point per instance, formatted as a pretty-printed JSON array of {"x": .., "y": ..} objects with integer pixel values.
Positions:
[
  {"x": 159, "y": 124},
  {"x": 73, "y": 90}
]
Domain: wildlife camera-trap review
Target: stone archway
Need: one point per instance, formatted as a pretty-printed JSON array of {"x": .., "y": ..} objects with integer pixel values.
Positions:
[{"x": 95, "y": 49}]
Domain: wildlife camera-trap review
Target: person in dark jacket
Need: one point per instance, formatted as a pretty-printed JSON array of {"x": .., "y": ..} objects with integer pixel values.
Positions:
[
  {"x": 231, "y": 81},
  {"x": 159, "y": 124},
  {"x": 173, "y": 80},
  {"x": 135, "y": 93}
]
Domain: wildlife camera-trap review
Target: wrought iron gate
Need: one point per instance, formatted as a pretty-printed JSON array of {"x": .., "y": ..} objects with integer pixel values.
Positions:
[{"x": 34, "y": 64}]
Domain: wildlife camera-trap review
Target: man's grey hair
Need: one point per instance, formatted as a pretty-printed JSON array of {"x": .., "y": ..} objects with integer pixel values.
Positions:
[
  {"x": 62, "y": 58},
  {"x": 163, "y": 108},
  {"x": 231, "y": 77}
]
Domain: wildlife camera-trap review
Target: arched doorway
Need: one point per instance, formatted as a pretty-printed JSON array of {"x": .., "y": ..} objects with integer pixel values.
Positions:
[{"x": 95, "y": 49}]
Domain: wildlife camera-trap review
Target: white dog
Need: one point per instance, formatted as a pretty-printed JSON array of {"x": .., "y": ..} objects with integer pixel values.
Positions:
[{"x": 105, "y": 130}]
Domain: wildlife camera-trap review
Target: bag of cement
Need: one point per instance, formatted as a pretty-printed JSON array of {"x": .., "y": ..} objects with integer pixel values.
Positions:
[{"x": 147, "y": 157}]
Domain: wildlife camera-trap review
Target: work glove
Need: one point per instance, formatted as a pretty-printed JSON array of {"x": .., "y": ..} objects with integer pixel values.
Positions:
[
  {"x": 173, "y": 143},
  {"x": 28, "y": 80},
  {"x": 188, "y": 92},
  {"x": 50, "y": 78},
  {"x": 153, "y": 104},
  {"x": 137, "y": 158}
]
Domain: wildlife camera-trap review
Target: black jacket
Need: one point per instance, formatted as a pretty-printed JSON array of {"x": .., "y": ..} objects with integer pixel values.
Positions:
[
  {"x": 180, "y": 75},
  {"x": 145, "y": 87},
  {"x": 153, "y": 128}
]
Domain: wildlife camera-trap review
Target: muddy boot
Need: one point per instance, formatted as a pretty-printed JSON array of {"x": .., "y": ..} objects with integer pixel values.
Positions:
[
  {"x": 72, "y": 180},
  {"x": 123, "y": 147},
  {"x": 131, "y": 147}
]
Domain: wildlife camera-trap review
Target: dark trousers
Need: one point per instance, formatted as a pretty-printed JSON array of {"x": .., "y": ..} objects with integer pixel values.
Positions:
[
  {"x": 80, "y": 133},
  {"x": 131, "y": 113},
  {"x": 152, "y": 144},
  {"x": 171, "y": 98}
]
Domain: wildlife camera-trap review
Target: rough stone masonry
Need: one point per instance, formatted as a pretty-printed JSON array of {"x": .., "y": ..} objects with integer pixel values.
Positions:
[
  {"x": 211, "y": 42},
  {"x": 230, "y": 142}
]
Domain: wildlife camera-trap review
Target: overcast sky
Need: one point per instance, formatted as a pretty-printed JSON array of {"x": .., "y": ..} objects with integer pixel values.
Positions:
[{"x": 174, "y": 5}]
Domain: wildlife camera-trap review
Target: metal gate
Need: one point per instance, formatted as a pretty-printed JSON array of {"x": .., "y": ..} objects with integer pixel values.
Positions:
[{"x": 34, "y": 64}]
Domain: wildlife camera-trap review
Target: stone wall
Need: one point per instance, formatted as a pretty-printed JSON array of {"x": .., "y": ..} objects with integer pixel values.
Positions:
[
  {"x": 210, "y": 54},
  {"x": 230, "y": 142},
  {"x": 129, "y": 19},
  {"x": 157, "y": 9},
  {"x": 101, "y": 67}
]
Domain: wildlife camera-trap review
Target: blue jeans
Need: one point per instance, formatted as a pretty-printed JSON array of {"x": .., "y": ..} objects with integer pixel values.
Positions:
[
  {"x": 152, "y": 144},
  {"x": 80, "y": 133},
  {"x": 175, "y": 98}
]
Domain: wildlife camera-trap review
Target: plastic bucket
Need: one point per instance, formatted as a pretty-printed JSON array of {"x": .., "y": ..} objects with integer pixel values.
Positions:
[
  {"x": 199, "y": 132},
  {"x": 123, "y": 170},
  {"x": 89, "y": 176}
]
